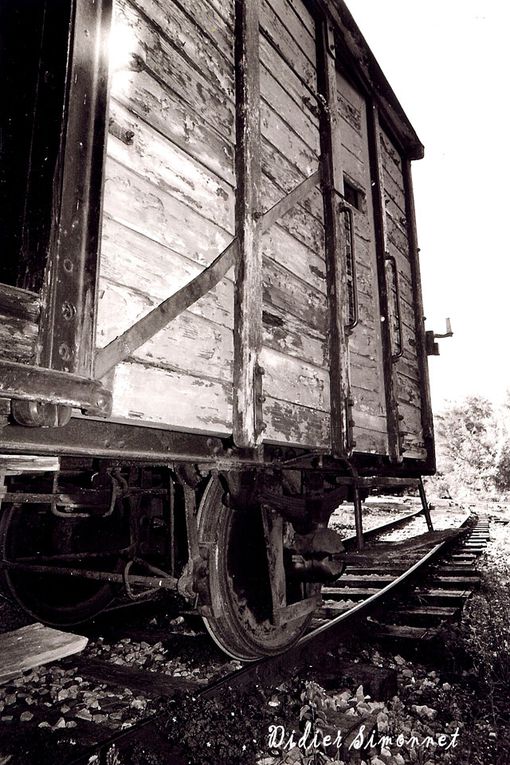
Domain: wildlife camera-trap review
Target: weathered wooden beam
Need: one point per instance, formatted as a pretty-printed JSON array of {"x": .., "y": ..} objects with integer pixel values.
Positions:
[
  {"x": 34, "y": 645},
  {"x": 293, "y": 198},
  {"x": 70, "y": 296},
  {"x": 333, "y": 188},
  {"x": 247, "y": 414},
  {"x": 39, "y": 385},
  {"x": 138, "y": 334},
  {"x": 381, "y": 247},
  {"x": 421, "y": 346}
]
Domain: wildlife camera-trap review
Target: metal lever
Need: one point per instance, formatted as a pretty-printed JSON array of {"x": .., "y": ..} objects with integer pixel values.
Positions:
[
  {"x": 432, "y": 347},
  {"x": 448, "y": 332}
]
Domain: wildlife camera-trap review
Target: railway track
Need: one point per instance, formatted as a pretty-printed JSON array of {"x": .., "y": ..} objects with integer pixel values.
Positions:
[{"x": 391, "y": 590}]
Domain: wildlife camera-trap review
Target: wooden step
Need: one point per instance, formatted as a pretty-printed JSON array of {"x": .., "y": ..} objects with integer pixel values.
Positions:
[
  {"x": 349, "y": 593},
  {"x": 455, "y": 582},
  {"x": 456, "y": 569},
  {"x": 138, "y": 680},
  {"x": 402, "y": 632},
  {"x": 438, "y": 596},
  {"x": 34, "y": 645},
  {"x": 424, "y": 615},
  {"x": 362, "y": 570},
  {"x": 355, "y": 580}
]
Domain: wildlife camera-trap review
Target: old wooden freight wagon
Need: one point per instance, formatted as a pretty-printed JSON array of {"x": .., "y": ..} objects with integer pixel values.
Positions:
[{"x": 212, "y": 327}]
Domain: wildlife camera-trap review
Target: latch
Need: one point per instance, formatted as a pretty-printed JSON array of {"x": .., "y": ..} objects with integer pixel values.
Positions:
[{"x": 430, "y": 339}]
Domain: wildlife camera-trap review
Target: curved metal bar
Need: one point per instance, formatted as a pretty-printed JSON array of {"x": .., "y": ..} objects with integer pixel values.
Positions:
[
  {"x": 351, "y": 260},
  {"x": 395, "y": 356}
]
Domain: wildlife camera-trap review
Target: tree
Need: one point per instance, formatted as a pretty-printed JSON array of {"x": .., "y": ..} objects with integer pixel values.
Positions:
[{"x": 468, "y": 443}]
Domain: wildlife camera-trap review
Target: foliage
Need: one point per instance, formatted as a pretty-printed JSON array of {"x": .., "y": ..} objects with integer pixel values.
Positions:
[
  {"x": 482, "y": 640},
  {"x": 473, "y": 449}
]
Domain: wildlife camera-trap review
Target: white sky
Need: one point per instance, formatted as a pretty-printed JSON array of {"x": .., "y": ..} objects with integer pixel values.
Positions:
[{"x": 448, "y": 62}]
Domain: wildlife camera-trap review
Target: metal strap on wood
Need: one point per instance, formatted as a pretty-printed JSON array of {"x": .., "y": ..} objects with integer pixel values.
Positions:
[
  {"x": 146, "y": 327},
  {"x": 139, "y": 333}
]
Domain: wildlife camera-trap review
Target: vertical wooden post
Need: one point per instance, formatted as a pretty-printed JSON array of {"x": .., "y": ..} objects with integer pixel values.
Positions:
[
  {"x": 333, "y": 188},
  {"x": 248, "y": 290},
  {"x": 426, "y": 404},
  {"x": 70, "y": 294},
  {"x": 381, "y": 245}
]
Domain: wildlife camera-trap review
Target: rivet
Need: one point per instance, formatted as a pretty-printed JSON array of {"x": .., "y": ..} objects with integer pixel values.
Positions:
[
  {"x": 68, "y": 310},
  {"x": 64, "y": 351},
  {"x": 68, "y": 265}
]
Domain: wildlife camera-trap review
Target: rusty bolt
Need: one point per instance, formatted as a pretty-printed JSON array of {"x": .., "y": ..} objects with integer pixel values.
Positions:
[
  {"x": 68, "y": 310},
  {"x": 260, "y": 370},
  {"x": 64, "y": 351}
]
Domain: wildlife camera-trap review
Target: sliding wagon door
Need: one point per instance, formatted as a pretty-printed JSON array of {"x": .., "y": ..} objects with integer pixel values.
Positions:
[
  {"x": 400, "y": 279},
  {"x": 169, "y": 208},
  {"x": 294, "y": 353},
  {"x": 365, "y": 343}
]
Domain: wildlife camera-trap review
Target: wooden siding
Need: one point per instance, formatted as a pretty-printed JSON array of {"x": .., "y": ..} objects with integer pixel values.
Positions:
[
  {"x": 406, "y": 368},
  {"x": 169, "y": 209},
  {"x": 294, "y": 353},
  {"x": 19, "y": 325},
  {"x": 366, "y": 366}
]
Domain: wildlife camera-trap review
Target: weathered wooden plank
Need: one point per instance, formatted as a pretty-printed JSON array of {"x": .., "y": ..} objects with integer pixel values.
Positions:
[
  {"x": 287, "y": 142},
  {"x": 247, "y": 410},
  {"x": 290, "y": 379},
  {"x": 131, "y": 259},
  {"x": 146, "y": 394},
  {"x": 299, "y": 222},
  {"x": 276, "y": 32},
  {"x": 292, "y": 114},
  {"x": 191, "y": 41},
  {"x": 123, "y": 346},
  {"x": 285, "y": 250},
  {"x": 155, "y": 684},
  {"x": 370, "y": 441},
  {"x": 140, "y": 206},
  {"x": 285, "y": 177},
  {"x": 290, "y": 82},
  {"x": 34, "y": 645},
  {"x": 171, "y": 169},
  {"x": 18, "y": 338},
  {"x": 299, "y": 23},
  {"x": 225, "y": 9},
  {"x": 381, "y": 239},
  {"x": 288, "y": 293},
  {"x": 390, "y": 154},
  {"x": 421, "y": 352},
  {"x": 408, "y": 391},
  {"x": 295, "y": 425},
  {"x": 167, "y": 112},
  {"x": 332, "y": 173},
  {"x": 190, "y": 344},
  {"x": 287, "y": 203},
  {"x": 154, "y": 52},
  {"x": 283, "y": 332},
  {"x": 211, "y": 28}
]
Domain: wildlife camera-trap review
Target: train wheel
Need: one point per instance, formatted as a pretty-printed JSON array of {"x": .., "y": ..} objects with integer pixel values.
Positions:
[
  {"x": 239, "y": 581},
  {"x": 31, "y": 531}
]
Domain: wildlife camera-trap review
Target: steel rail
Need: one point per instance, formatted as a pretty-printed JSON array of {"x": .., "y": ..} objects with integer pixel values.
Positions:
[{"x": 281, "y": 665}]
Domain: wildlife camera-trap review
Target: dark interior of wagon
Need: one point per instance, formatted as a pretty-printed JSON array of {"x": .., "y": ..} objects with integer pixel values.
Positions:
[{"x": 33, "y": 52}]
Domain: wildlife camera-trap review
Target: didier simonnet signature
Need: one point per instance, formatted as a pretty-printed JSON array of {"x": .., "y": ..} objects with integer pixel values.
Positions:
[{"x": 308, "y": 740}]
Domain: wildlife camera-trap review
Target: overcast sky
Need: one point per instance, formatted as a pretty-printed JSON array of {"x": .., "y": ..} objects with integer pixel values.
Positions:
[{"x": 448, "y": 62}]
